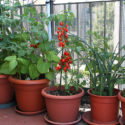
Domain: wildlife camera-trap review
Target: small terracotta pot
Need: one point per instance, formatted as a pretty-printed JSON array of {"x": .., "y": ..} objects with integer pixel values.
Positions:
[
  {"x": 62, "y": 108},
  {"x": 122, "y": 99},
  {"x": 6, "y": 90},
  {"x": 28, "y": 94},
  {"x": 104, "y": 109}
]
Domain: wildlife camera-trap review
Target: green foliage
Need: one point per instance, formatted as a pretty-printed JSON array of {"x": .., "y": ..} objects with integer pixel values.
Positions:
[
  {"x": 72, "y": 77},
  {"x": 104, "y": 67},
  {"x": 43, "y": 67},
  {"x": 24, "y": 61},
  {"x": 17, "y": 56},
  {"x": 77, "y": 79},
  {"x": 33, "y": 71},
  {"x": 50, "y": 75},
  {"x": 6, "y": 22},
  {"x": 66, "y": 15}
]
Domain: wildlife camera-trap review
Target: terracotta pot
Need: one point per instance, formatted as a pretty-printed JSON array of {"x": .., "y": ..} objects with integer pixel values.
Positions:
[
  {"x": 104, "y": 109},
  {"x": 6, "y": 90},
  {"x": 122, "y": 99},
  {"x": 62, "y": 108},
  {"x": 28, "y": 94}
]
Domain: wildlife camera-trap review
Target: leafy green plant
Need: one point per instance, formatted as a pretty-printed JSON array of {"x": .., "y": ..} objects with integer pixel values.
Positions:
[
  {"x": 67, "y": 66},
  {"x": 6, "y": 23},
  {"x": 30, "y": 53},
  {"x": 105, "y": 67}
]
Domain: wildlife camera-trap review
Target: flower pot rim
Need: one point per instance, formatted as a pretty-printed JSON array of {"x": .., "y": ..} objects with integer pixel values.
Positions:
[
  {"x": 3, "y": 76},
  {"x": 98, "y": 96},
  {"x": 43, "y": 92},
  {"x": 121, "y": 97},
  {"x": 24, "y": 82}
]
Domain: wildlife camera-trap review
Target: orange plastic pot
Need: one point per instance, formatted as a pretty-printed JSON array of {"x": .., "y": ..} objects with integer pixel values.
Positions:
[
  {"x": 6, "y": 90},
  {"x": 104, "y": 109},
  {"x": 28, "y": 94},
  {"x": 62, "y": 109},
  {"x": 122, "y": 99}
]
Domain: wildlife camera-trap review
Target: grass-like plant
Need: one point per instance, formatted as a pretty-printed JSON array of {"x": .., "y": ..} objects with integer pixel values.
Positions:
[{"x": 104, "y": 66}]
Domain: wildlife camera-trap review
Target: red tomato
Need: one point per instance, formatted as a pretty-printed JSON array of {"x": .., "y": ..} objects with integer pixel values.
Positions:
[
  {"x": 61, "y": 23},
  {"x": 59, "y": 28}
]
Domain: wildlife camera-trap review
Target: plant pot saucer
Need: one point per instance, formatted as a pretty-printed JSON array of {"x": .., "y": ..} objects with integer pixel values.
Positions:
[
  {"x": 7, "y": 105},
  {"x": 28, "y": 113},
  {"x": 121, "y": 121},
  {"x": 46, "y": 118},
  {"x": 87, "y": 118}
]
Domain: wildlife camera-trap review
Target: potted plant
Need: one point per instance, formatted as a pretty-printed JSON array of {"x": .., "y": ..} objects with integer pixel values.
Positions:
[
  {"x": 121, "y": 96},
  {"x": 30, "y": 62},
  {"x": 105, "y": 71},
  {"x": 63, "y": 99},
  {"x": 6, "y": 89}
]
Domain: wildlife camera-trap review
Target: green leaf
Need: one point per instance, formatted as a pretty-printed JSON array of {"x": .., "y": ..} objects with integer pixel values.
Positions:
[
  {"x": 33, "y": 58},
  {"x": 10, "y": 58},
  {"x": 43, "y": 67},
  {"x": 50, "y": 75},
  {"x": 33, "y": 71},
  {"x": 23, "y": 61},
  {"x": 4, "y": 68},
  {"x": 44, "y": 46},
  {"x": 12, "y": 65},
  {"x": 80, "y": 44},
  {"x": 78, "y": 49},
  {"x": 45, "y": 35},
  {"x": 24, "y": 69},
  {"x": 52, "y": 56},
  {"x": 55, "y": 58},
  {"x": 48, "y": 56}
]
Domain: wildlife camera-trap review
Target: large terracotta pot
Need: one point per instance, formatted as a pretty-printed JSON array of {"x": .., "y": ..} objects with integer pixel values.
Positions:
[
  {"x": 104, "y": 109},
  {"x": 62, "y": 108},
  {"x": 122, "y": 99},
  {"x": 28, "y": 94},
  {"x": 6, "y": 90}
]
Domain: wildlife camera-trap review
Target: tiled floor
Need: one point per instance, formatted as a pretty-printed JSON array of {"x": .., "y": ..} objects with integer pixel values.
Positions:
[{"x": 8, "y": 116}]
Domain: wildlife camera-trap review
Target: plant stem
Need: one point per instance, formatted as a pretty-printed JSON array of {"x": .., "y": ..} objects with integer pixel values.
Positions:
[{"x": 61, "y": 74}]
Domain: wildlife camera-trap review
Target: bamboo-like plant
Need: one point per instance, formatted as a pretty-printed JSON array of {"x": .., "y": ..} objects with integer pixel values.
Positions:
[{"x": 105, "y": 67}]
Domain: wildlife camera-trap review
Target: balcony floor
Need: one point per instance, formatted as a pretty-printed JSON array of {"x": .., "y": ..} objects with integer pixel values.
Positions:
[{"x": 9, "y": 117}]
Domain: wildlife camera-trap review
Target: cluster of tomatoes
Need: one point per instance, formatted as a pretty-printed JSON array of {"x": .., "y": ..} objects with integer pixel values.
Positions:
[
  {"x": 61, "y": 32},
  {"x": 66, "y": 59},
  {"x": 65, "y": 62},
  {"x": 35, "y": 46}
]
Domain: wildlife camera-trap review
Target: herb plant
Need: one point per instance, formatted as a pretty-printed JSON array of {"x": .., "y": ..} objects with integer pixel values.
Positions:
[{"x": 105, "y": 67}]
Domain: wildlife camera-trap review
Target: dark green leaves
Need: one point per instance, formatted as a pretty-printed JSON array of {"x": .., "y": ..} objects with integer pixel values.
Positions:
[
  {"x": 50, "y": 75},
  {"x": 33, "y": 71},
  {"x": 43, "y": 67},
  {"x": 52, "y": 56},
  {"x": 12, "y": 65},
  {"x": 10, "y": 58}
]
